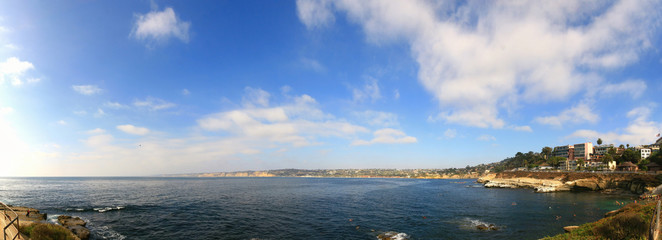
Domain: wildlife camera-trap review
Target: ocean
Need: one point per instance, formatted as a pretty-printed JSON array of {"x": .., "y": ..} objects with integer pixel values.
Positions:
[{"x": 303, "y": 208}]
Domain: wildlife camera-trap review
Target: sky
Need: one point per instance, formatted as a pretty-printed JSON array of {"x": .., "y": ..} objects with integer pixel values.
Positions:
[{"x": 141, "y": 88}]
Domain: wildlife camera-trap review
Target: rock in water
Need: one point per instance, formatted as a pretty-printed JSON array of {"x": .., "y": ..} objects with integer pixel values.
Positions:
[
  {"x": 570, "y": 228},
  {"x": 70, "y": 221},
  {"x": 393, "y": 236},
  {"x": 76, "y": 225},
  {"x": 492, "y": 227},
  {"x": 81, "y": 232},
  {"x": 485, "y": 227}
]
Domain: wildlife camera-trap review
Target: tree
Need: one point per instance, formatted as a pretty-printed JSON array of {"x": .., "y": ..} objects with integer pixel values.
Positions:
[
  {"x": 546, "y": 151},
  {"x": 555, "y": 161},
  {"x": 656, "y": 157},
  {"x": 642, "y": 164},
  {"x": 611, "y": 151},
  {"x": 599, "y": 141},
  {"x": 629, "y": 155},
  {"x": 607, "y": 158},
  {"x": 628, "y": 145},
  {"x": 580, "y": 163},
  {"x": 622, "y": 146}
]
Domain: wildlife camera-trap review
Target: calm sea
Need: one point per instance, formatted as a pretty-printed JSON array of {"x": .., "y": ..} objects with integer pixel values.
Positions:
[{"x": 303, "y": 208}]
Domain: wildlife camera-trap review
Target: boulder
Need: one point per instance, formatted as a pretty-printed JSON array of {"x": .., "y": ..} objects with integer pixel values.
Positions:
[
  {"x": 485, "y": 227},
  {"x": 392, "y": 236},
  {"x": 70, "y": 221},
  {"x": 76, "y": 225},
  {"x": 482, "y": 227},
  {"x": 81, "y": 232},
  {"x": 570, "y": 228}
]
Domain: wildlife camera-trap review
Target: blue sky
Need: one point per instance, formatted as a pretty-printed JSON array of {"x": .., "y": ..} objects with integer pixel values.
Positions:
[{"x": 121, "y": 88}]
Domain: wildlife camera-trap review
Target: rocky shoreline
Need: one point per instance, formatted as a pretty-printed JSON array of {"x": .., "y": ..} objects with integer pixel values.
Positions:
[
  {"x": 30, "y": 217},
  {"x": 621, "y": 183}
]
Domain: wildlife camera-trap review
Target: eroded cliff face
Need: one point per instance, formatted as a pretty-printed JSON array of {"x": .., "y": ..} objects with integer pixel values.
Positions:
[{"x": 558, "y": 181}]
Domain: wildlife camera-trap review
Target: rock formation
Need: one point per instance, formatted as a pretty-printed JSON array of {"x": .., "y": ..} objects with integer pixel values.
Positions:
[
  {"x": 76, "y": 225},
  {"x": 564, "y": 181}
]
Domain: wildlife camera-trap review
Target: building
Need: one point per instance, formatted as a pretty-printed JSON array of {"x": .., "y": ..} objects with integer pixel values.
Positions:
[
  {"x": 601, "y": 150},
  {"x": 583, "y": 151},
  {"x": 627, "y": 166},
  {"x": 645, "y": 152},
  {"x": 562, "y": 151},
  {"x": 653, "y": 167}
]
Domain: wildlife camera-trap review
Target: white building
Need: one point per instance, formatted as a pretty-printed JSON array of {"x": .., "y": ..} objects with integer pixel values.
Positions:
[{"x": 645, "y": 153}]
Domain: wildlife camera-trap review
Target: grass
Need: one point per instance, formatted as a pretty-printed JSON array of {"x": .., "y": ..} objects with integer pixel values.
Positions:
[
  {"x": 46, "y": 231},
  {"x": 631, "y": 222}
]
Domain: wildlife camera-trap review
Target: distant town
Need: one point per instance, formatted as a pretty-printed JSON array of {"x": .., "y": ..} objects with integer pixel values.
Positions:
[{"x": 572, "y": 157}]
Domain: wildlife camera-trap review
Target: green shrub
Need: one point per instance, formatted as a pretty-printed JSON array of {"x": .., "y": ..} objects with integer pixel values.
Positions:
[
  {"x": 45, "y": 231},
  {"x": 627, "y": 225}
]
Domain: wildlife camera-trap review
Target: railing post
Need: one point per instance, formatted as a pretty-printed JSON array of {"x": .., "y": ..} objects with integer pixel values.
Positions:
[{"x": 657, "y": 221}]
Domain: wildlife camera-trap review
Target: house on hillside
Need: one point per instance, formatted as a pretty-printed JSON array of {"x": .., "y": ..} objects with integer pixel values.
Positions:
[
  {"x": 645, "y": 152},
  {"x": 627, "y": 166},
  {"x": 653, "y": 167},
  {"x": 545, "y": 166}
]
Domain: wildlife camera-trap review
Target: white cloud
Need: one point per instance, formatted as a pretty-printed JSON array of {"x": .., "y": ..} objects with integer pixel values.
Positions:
[
  {"x": 450, "y": 133},
  {"x": 114, "y": 105},
  {"x": 299, "y": 123},
  {"x": 634, "y": 87},
  {"x": 80, "y": 112},
  {"x": 640, "y": 130},
  {"x": 13, "y": 69},
  {"x": 96, "y": 131},
  {"x": 396, "y": 94},
  {"x": 312, "y": 64},
  {"x": 387, "y": 136},
  {"x": 369, "y": 91},
  {"x": 314, "y": 13},
  {"x": 99, "y": 113},
  {"x": 580, "y": 113},
  {"x": 86, "y": 89},
  {"x": 153, "y": 104},
  {"x": 255, "y": 97},
  {"x": 157, "y": 27},
  {"x": 486, "y": 138},
  {"x": 6, "y": 110},
  {"x": 130, "y": 129},
  {"x": 11, "y": 46},
  {"x": 477, "y": 58},
  {"x": 521, "y": 128},
  {"x": 185, "y": 92},
  {"x": 62, "y": 122},
  {"x": 376, "y": 118}
]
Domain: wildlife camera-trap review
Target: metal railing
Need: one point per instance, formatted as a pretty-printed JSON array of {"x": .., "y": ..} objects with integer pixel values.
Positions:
[
  {"x": 13, "y": 223},
  {"x": 654, "y": 231}
]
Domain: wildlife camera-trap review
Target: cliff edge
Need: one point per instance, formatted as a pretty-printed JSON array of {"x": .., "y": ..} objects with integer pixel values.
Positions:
[{"x": 634, "y": 183}]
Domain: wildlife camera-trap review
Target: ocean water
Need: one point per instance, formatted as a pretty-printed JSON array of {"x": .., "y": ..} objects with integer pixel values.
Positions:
[{"x": 303, "y": 208}]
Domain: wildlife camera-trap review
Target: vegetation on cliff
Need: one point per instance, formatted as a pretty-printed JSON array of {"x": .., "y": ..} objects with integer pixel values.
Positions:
[
  {"x": 47, "y": 231},
  {"x": 630, "y": 222}
]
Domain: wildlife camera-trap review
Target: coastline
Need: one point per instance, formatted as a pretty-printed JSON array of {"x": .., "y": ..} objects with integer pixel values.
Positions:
[
  {"x": 31, "y": 220},
  {"x": 542, "y": 182}
]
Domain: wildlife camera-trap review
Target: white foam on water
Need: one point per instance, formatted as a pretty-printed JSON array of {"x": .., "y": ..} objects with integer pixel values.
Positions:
[
  {"x": 106, "y": 209},
  {"x": 105, "y": 232},
  {"x": 400, "y": 236}
]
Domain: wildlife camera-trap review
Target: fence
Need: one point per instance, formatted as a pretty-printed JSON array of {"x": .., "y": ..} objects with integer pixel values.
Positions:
[
  {"x": 11, "y": 227},
  {"x": 654, "y": 231}
]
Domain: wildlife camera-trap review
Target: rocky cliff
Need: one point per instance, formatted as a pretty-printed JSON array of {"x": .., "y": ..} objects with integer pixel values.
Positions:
[{"x": 568, "y": 181}]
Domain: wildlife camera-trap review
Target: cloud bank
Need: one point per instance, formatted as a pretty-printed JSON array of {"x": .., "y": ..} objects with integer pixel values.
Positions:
[{"x": 480, "y": 58}]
